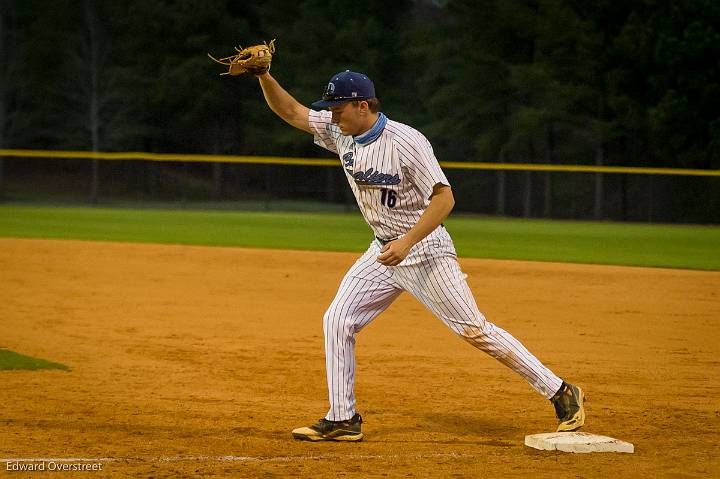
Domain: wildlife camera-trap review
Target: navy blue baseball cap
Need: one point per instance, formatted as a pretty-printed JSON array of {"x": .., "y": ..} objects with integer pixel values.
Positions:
[{"x": 344, "y": 87}]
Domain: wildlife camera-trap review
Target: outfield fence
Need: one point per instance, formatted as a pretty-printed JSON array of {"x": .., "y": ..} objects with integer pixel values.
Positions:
[{"x": 270, "y": 182}]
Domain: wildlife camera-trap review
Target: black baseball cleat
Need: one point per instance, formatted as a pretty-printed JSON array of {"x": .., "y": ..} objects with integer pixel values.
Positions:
[
  {"x": 324, "y": 430},
  {"x": 568, "y": 402}
]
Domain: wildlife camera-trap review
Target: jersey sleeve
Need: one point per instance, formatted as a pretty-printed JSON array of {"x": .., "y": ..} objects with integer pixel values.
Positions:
[
  {"x": 421, "y": 166},
  {"x": 324, "y": 131}
]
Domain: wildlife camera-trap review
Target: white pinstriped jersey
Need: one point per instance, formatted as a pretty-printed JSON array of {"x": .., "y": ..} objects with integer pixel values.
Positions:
[
  {"x": 392, "y": 176},
  {"x": 392, "y": 171}
]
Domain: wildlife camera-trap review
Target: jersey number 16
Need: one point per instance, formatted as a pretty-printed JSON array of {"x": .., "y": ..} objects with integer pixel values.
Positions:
[{"x": 388, "y": 198}]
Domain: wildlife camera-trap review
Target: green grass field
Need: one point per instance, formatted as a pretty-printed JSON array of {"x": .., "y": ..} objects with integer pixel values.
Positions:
[
  {"x": 12, "y": 360},
  {"x": 674, "y": 246}
]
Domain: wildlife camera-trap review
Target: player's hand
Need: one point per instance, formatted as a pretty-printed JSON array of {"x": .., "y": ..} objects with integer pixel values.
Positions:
[{"x": 394, "y": 252}]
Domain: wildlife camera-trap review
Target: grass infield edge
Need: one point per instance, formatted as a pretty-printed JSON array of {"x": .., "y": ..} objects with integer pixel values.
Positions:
[{"x": 12, "y": 361}]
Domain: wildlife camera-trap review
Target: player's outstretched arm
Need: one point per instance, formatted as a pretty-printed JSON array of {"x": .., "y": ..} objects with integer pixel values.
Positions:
[
  {"x": 283, "y": 104},
  {"x": 441, "y": 204}
]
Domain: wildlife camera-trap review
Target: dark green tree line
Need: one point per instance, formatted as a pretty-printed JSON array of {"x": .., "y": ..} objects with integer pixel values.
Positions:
[{"x": 546, "y": 81}]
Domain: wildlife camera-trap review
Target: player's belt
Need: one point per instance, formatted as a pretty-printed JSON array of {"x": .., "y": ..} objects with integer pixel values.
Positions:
[{"x": 386, "y": 241}]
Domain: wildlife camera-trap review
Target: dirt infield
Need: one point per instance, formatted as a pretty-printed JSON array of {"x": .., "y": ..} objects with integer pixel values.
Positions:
[{"x": 197, "y": 361}]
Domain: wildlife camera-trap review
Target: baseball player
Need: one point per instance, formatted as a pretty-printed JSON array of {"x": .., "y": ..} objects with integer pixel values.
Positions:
[{"x": 404, "y": 197}]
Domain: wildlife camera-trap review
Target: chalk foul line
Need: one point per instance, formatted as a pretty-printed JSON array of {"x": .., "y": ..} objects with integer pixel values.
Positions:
[{"x": 157, "y": 459}]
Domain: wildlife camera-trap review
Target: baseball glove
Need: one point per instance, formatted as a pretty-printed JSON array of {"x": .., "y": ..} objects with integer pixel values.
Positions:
[{"x": 254, "y": 60}]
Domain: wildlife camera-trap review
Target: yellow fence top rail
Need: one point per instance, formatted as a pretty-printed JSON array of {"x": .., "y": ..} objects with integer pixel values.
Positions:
[{"x": 281, "y": 160}]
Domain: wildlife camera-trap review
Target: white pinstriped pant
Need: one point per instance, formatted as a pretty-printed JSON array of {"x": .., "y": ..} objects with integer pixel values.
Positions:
[{"x": 432, "y": 274}]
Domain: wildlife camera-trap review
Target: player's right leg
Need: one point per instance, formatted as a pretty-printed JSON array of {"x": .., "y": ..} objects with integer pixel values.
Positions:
[
  {"x": 441, "y": 286},
  {"x": 366, "y": 290}
]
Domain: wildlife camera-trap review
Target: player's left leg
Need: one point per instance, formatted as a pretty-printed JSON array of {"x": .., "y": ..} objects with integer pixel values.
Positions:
[{"x": 366, "y": 291}]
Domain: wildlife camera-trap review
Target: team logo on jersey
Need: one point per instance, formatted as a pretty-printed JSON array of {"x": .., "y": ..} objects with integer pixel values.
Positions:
[
  {"x": 372, "y": 177},
  {"x": 369, "y": 177},
  {"x": 348, "y": 161}
]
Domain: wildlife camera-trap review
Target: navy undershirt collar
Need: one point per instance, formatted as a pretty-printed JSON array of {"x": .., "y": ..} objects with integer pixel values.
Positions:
[{"x": 373, "y": 133}]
